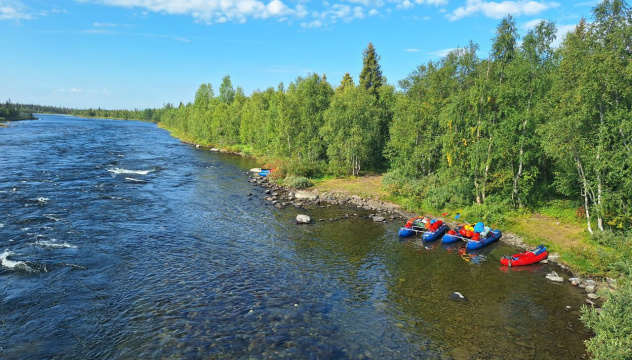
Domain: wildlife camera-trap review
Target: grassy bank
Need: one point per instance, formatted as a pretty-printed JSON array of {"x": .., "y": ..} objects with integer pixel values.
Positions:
[{"x": 555, "y": 225}]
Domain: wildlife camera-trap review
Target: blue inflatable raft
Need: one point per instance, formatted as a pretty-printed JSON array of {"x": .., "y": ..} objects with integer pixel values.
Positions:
[
  {"x": 493, "y": 236},
  {"x": 434, "y": 235}
]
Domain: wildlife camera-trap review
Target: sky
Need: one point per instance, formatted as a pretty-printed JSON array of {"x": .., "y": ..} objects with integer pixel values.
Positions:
[{"x": 136, "y": 54}]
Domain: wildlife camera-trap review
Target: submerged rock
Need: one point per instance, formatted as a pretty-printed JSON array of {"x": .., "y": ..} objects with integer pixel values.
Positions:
[
  {"x": 457, "y": 296},
  {"x": 553, "y": 276}
]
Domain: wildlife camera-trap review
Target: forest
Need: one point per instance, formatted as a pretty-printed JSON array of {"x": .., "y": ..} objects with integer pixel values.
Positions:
[{"x": 531, "y": 123}]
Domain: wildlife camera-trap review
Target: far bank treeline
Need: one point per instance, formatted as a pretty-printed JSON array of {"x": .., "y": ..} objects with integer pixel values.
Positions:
[{"x": 528, "y": 124}]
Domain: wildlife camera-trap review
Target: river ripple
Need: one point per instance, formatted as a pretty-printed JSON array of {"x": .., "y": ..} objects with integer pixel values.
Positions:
[{"x": 120, "y": 242}]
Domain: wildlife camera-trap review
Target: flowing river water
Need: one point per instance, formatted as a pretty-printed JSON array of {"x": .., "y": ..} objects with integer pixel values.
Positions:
[{"x": 120, "y": 242}]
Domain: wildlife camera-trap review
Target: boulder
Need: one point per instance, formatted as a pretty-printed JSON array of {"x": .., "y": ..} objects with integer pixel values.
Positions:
[
  {"x": 305, "y": 195},
  {"x": 378, "y": 218},
  {"x": 303, "y": 219},
  {"x": 554, "y": 257},
  {"x": 590, "y": 289}
]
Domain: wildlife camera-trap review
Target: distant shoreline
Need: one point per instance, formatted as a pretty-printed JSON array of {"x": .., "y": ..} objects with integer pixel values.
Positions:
[{"x": 19, "y": 118}]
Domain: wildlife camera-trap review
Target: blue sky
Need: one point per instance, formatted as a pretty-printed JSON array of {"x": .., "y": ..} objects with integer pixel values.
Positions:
[{"x": 126, "y": 54}]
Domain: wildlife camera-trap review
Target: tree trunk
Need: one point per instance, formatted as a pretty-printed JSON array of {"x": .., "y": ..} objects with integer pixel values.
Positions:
[
  {"x": 585, "y": 193},
  {"x": 599, "y": 185},
  {"x": 488, "y": 163},
  {"x": 515, "y": 194}
]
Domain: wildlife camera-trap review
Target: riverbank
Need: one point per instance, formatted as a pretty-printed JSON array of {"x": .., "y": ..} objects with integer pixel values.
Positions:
[
  {"x": 564, "y": 238},
  {"x": 367, "y": 193}
]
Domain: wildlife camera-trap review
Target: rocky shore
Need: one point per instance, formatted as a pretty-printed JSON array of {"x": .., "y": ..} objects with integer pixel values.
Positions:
[{"x": 383, "y": 211}]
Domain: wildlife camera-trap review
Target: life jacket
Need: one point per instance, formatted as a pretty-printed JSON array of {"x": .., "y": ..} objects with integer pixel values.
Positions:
[{"x": 436, "y": 225}]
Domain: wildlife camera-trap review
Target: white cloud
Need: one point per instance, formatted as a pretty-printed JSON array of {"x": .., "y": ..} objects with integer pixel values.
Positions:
[
  {"x": 16, "y": 10},
  {"x": 377, "y": 3},
  {"x": 13, "y": 10},
  {"x": 218, "y": 11},
  {"x": 587, "y": 3},
  {"x": 442, "y": 53},
  {"x": 334, "y": 14},
  {"x": 562, "y": 31},
  {"x": 407, "y": 4},
  {"x": 498, "y": 10},
  {"x": 412, "y": 50},
  {"x": 531, "y": 24},
  {"x": 312, "y": 14},
  {"x": 312, "y": 24}
]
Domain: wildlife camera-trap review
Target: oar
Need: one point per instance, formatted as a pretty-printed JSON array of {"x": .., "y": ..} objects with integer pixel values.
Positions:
[
  {"x": 411, "y": 229},
  {"x": 461, "y": 237}
]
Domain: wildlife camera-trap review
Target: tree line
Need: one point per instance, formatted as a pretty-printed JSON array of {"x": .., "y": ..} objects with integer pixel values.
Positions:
[
  {"x": 11, "y": 111},
  {"x": 527, "y": 124},
  {"x": 149, "y": 114}
]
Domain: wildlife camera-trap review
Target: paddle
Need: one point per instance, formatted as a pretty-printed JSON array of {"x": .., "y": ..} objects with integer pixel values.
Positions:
[{"x": 413, "y": 229}]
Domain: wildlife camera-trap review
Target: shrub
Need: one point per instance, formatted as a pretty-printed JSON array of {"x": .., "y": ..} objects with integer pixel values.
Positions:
[
  {"x": 613, "y": 326},
  {"x": 297, "y": 182},
  {"x": 493, "y": 211},
  {"x": 305, "y": 168}
]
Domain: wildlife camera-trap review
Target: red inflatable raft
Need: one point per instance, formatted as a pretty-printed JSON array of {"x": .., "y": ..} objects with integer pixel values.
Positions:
[{"x": 526, "y": 258}]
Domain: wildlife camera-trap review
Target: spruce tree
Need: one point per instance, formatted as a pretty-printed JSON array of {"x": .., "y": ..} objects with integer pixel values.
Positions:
[
  {"x": 371, "y": 75},
  {"x": 346, "y": 83}
]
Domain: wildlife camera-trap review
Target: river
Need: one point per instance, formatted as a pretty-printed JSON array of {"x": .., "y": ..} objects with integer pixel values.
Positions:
[{"x": 120, "y": 242}]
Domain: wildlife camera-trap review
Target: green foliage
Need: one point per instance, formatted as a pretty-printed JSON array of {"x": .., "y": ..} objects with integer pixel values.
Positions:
[
  {"x": 613, "y": 325},
  {"x": 433, "y": 192},
  {"x": 351, "y": 131},
  {"x": 492, "y": 212},
  {"x": 524, "y": 126},
  {"x": 615, "y": 254},
  {"x": 304, "y": 168},
  {"x": 297, "y": 182}
]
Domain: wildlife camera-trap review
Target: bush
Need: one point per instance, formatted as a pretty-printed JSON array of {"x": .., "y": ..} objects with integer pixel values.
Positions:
[
  {"x": 437, "y": 191},
  {"x": 304, "y": 168},
  {"x": 297, "y": 182},
  {"x": 492, "y": 212},
  {"x": 615, "y": 255},
  {"x": 613, "y": 326}
]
